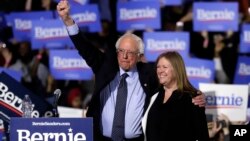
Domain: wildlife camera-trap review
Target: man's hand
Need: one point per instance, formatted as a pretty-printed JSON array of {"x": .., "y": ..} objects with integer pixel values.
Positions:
[
  {"x": 63, "y": 9},
  {"x": 200, "y": 99}
]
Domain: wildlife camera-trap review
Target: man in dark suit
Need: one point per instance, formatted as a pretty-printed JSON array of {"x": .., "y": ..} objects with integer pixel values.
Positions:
[{"x": 108, "y": 68}]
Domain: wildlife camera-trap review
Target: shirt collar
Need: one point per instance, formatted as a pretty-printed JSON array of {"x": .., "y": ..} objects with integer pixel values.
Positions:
[{"x": 130, "y": 72}]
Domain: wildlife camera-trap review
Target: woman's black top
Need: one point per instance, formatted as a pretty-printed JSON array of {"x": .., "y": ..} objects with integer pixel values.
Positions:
[{"x": 178, "y": 119}]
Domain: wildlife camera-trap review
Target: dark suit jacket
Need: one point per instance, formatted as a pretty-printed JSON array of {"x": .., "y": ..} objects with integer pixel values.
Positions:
[{"x": 105, "y": 67}]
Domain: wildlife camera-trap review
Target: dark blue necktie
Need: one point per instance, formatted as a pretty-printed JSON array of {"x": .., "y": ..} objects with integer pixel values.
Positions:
[{"x": 120, "y": 108}]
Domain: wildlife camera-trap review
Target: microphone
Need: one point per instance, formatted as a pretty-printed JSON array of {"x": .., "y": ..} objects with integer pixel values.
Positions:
[{"x": 57, "y": 94}]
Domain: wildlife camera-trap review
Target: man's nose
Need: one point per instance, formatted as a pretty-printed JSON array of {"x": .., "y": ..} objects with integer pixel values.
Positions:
[{"x": 125, "y": 54}]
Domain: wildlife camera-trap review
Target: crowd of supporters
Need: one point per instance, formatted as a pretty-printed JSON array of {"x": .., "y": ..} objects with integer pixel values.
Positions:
[{"x": 221, "y": 47}]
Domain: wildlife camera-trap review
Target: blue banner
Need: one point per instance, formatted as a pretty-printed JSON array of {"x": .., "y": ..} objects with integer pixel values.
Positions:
[
  {"x": 159, "y": 42},
  {"x": 13, "y": 73},
  {"x": 49, "y": 34},
  {"x": 68, "y": 65},
  {"x": 172, "y": 2},
  {"x": 163, "y": 2},
  {"x": 8, "y": 19},
  {"x": 2, "y": 20},
  {"x": 76, "y": 2},
  {"x": 51, "y": 129},
  {"x": 21, "y": 23},
  {"x": 242, "y": 73},
  {"x": 86, "y": 17},
  {"x": 215, "y": 16},
  {"x": 1, "y": 134},
  {"x": 199, "y": 70},
  {"x": 245, "y": 39},
  {"x": 138, "y": 15},
  {"x": 11, "y": 95}
]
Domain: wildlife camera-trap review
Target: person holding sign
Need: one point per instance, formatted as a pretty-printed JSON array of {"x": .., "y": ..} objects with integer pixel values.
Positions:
[
  {"x": 123, "y": 84},
  {"x": 171, "y": 113}
]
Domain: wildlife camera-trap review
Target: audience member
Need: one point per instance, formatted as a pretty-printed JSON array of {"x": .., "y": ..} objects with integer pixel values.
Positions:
[
  {"x": 34, "y": 73},
  {"x": 74, "y": 98},
  {"x": 7, "y": 56}
]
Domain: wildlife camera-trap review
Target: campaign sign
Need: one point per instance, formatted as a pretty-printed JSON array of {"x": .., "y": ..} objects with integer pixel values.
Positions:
[
  {"x": 13, "y": 73},
  {"x": 199, "y": 70},
  {"x": 68, "y": 65},
  {"x": 11, "y": 95},
  {"x": 87, "y": 17},
  {"x": 172, "y": 2},
  {"x": 215, "y": 16},
  {"x": 51, "y": 129},
  {"x": 49, "y": 34},
  {"x": 21, "y": 23},
  {"x": 228, "y": 99},
  {"x": 1, "y": 132},
  {"x": 163, "y": 2},
  {"x": 138, "y": 15},
  {"x": 245, "y": 39},
  {"x": 76, "y": 2},
  {"x": 159, "y": 42},
  {"x": 242, "y": 73},
  {"x": 71, "y": 112},
  {"x": 8, "y": 19},
  {"x": 2, "y": 20}
]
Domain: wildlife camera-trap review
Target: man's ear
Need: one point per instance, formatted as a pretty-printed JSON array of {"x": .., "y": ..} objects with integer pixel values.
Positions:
[{"x": 142, "y": 58}]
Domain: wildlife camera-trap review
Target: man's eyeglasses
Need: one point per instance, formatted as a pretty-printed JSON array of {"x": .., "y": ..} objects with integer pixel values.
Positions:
[{"x": 126, "y": 52}]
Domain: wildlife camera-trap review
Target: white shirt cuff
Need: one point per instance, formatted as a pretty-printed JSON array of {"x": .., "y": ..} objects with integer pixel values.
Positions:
[
  {"x": 73, "y": 29},
  {"x": 218, "y": 64}
]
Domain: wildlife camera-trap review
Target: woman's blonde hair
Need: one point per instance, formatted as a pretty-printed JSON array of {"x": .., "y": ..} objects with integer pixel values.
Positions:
[{"x": 178, "y": 64}]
